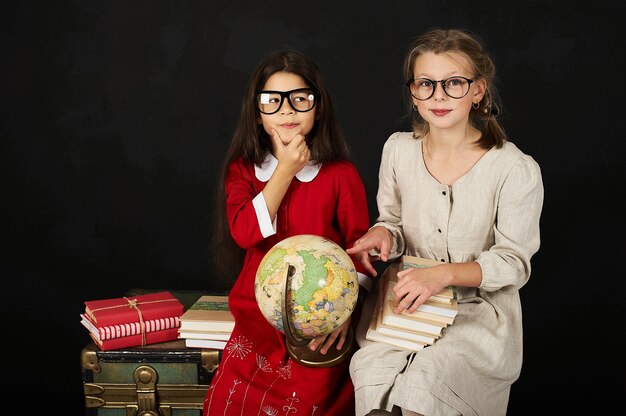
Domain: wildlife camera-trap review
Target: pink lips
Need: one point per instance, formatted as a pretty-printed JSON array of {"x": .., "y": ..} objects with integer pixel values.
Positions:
[
  {"x": 289, "y": 125},
  {"x": 440, "y": 113}
]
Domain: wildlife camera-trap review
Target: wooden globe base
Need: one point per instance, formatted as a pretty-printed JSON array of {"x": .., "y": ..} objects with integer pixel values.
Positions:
[
  {"x": 305, "y": 356},
  {"x": 298, "y": 349}
]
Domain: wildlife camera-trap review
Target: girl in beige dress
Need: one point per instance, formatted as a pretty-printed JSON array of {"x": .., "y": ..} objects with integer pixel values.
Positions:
[{"x": 455, "y": 189}]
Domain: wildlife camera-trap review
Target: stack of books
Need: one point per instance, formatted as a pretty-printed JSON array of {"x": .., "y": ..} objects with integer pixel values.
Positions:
[
  {"x": 416, "y": 330},
  {"x": 133, "y": 320},
  {"x": 208, "y": 323}
]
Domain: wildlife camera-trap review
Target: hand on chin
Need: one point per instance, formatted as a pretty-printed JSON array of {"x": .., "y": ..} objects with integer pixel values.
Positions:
[{"x": 287, "y": 133}]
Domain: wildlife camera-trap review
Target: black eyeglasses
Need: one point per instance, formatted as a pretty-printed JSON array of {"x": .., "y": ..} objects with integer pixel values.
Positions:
[
  {"x": 301, "y": 100},
  {"x": 424, "y": 88}
]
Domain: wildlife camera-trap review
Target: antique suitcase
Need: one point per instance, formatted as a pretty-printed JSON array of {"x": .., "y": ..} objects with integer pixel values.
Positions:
[{"x": 165, "y": 379}]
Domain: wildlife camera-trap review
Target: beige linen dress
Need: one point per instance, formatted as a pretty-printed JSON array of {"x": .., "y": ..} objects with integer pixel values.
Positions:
[{"x": 490, "y": 215}]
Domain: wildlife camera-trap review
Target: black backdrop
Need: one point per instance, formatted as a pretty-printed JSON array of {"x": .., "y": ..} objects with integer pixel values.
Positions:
[{"x": 116, "y": 116}]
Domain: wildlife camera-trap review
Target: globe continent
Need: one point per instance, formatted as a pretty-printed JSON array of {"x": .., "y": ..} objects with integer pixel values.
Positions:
[{"x": 324, "y": 285}]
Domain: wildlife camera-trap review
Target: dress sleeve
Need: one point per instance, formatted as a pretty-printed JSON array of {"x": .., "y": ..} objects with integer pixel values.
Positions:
[
  {"x": 520, "y": 201},
  {"x": 388, "y": 197},
  {"x": 240, "y": 209}
]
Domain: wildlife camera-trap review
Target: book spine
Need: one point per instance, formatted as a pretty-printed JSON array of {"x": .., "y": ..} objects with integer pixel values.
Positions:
[
  {"x": 136, "y": 340},
  {"x": 408, "y": 335},
  {"x": 429, "y": 316},
  {"x": 414, "y": 326},
  {"x": 216, "y": 336},
  {"x": 432, "y": 308},
  {"x": 440, "y": 299},
  {"x": 133, "y": 328},
  {"x": 205, "y": 343},
  {"x": 395, "y": 342}
]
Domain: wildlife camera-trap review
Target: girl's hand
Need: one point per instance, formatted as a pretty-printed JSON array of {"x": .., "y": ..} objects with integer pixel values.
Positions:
[
  {"x": 327, "y": 341},
  {"x": 292, "y": 155},
  {"x": 374, "y": 245},
  {"x": 415, "y": 286}
]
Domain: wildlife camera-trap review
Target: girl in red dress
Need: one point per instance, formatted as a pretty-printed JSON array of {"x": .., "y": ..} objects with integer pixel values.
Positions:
[{"x": 287, "y": 172}]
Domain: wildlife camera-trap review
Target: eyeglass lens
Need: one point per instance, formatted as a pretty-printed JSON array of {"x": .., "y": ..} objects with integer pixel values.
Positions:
[
  {"x": 301, "y": 100},
  {"x": 454, "y": 87}
]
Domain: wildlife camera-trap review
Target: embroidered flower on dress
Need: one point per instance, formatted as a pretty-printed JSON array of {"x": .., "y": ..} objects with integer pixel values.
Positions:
[
  {"x": 239, "y": 347},
  {"x": 270, "y": 411}
]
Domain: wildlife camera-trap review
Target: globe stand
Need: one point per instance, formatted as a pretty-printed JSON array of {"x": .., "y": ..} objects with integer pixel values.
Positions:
[{"x": 299, "y": 349}]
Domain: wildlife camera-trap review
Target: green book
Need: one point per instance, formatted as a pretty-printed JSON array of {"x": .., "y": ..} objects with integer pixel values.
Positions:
[{"x": 209, "y": 314}]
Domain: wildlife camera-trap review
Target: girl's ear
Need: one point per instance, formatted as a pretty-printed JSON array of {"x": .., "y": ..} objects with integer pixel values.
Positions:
[{"x": 481, "y": 88}]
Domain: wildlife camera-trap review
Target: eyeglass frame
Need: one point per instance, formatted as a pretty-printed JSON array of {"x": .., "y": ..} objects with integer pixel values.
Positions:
[
  {"x": 283, "y": 95},
  {"x": 443, "y": 86}
]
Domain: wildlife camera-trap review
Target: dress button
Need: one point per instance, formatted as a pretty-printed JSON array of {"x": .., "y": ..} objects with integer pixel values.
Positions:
[
  {"x": 284, "y": 228},
  {"x": 284, "y": 207},
  {"x": 443, "y": 260},
  {"x": 443, "y": 192},
  {"x": 439, "y": 229}
]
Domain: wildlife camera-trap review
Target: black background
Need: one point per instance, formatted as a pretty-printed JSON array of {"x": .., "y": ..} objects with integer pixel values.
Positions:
[{"x": 116, "y": 116}]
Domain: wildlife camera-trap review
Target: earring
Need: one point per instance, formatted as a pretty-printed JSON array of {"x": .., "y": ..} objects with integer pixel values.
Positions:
[
  {"x": 414, "y": 107},
  {"x": 476, "y": 106}
]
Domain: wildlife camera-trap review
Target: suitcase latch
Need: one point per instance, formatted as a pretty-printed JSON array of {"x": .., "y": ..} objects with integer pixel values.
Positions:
[{"x": 146, "y": 379}]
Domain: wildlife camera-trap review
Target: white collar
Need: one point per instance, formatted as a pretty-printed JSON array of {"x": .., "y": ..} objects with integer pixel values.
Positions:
[{"x": 267, "y": 168}]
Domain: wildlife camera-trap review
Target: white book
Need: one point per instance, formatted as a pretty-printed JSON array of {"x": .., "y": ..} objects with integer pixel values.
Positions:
[
  {"x": 449, "y": 310},
  {"x": 430, "y": 316},
  {"x": 410, "y": 323},
  {"x": 396, "y": 342},
  {"x": 205, "y": 343},
  {"x": 217, "y": 336},
  {"x": 408, "y": 335}
]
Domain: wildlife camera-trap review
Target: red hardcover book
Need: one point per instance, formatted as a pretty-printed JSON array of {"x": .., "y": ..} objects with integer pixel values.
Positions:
[
  {"x": 133, "y": 308},
  {"x": 136, "y": 340},
  {"x": 133, "y": 328}
]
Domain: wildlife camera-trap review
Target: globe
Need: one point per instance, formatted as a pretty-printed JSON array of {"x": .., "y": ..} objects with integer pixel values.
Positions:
[{"x": 314, "y": 277}]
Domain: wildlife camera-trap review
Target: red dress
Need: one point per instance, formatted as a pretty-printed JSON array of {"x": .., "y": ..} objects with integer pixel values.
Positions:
[{"x": 256, "y": 375}]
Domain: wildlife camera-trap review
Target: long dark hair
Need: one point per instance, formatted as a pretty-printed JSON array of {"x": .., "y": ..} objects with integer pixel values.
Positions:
[
  {"x": 484, "y": 118},
  {"x": 251, "y": 143}
]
